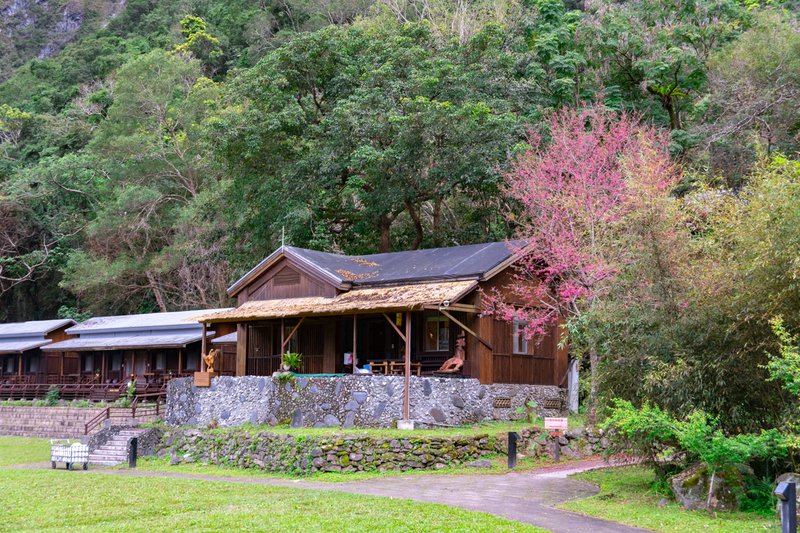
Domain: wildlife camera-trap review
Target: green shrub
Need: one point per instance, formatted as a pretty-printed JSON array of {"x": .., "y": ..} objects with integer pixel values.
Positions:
[
  {"x": 655, "y": 436},
  {"x": 52, "y": 396},
  {"x": 648, "y": 433}
]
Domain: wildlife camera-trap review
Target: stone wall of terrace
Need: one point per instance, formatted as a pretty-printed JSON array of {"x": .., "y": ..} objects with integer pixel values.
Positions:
[
  {"x": 302, "y": 455},
  {"x": 350, "y": 401}
]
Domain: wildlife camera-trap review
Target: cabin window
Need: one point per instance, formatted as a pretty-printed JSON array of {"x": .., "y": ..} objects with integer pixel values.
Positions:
[
  {"x": 191, "y": 363},
  {"x": 10, "y": 365},
  {"x": 116, "y": 361},
  {"x": 33, "y": 365},
  {"x": 437, "y": 333},
  {"x": 88, "y": 363},
  {"x": 520, "y": 343},
  {"x": 161, "y": 361}
]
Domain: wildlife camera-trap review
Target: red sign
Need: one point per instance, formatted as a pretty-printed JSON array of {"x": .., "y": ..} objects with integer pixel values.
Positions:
[{"x": 556, "y": 423}]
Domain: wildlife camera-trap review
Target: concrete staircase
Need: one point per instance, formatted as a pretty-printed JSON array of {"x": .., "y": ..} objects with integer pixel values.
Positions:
[
  {"x": 115, "y": 451},
  {"x": 47, "y": 422}
]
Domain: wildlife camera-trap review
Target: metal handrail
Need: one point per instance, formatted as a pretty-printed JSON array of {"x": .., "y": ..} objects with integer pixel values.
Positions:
[{"x": 130, "y": 412}]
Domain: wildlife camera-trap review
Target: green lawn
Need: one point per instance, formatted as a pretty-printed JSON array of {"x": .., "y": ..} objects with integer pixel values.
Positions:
[
  {"x": 626, "y": 496},
  {"x": 58, "y": 500},
  {"x": 490, "y": 428},
  {"x": 17, "y": 450}
]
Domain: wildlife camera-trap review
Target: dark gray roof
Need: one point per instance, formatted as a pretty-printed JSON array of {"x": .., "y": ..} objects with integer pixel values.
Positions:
[{"x": 471, "y": 261}]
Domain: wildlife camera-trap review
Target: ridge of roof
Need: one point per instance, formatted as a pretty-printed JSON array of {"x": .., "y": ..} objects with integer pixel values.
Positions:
[{"x": 469, "y": 261}]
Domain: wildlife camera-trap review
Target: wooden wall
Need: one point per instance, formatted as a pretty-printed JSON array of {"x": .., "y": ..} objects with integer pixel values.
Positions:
[{"x": 285, "y": 280}]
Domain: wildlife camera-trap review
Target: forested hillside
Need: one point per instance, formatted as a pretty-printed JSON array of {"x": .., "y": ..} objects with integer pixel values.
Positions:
[{"x": 166, "y": 148}]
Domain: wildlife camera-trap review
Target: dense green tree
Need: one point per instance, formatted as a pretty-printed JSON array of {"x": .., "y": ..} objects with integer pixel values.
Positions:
[
  {"x": 349, "y": 135},
  {"x": 151, "y": 147},
  {"x": 656, "y": 51}
]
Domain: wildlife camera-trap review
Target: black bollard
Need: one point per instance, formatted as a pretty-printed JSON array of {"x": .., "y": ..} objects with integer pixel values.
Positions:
[
  {"x": 786, "y": 493},
  {"x": 513, "y": 437},
  {"x": 133, "y": 451}
]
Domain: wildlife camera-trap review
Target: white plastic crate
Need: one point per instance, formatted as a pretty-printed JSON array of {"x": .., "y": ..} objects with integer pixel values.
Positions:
[{"x": 69, "y": 453}]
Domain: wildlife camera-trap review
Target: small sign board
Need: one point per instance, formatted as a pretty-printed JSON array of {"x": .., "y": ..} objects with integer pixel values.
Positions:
[
  {"x": 556, "y": 423},
  {"x": 202, "y": 379}
]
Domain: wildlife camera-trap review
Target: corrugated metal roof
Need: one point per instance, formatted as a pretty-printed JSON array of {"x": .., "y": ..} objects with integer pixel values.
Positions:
[
  {"x": 130, "y": 342},
  {"x": 179, "y": 320},
  {"x": 456, "y": 262},
  {"x": 225, "y": 339},
  {"x": 18, "y": 346},
  {"x": 33, "y": 327},
  {"x": 394, "y": 298},
  {"x": 471, "y": 261}
]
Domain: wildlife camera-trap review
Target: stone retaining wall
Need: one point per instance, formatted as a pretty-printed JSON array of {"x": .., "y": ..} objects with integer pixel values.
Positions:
[
  {"x": 346, "y": 453},
  {"x": 348, "y": 401}
]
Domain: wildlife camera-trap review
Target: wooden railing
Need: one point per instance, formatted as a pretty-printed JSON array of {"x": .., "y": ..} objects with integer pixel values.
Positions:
[{"x": 134, "y": 411}]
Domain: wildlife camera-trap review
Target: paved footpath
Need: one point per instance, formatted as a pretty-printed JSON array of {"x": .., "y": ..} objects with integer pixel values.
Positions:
[{"x": 527, "y": 497}]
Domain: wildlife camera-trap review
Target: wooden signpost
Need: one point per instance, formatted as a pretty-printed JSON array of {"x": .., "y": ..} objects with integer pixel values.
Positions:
[{"x": 556, "y": 425}]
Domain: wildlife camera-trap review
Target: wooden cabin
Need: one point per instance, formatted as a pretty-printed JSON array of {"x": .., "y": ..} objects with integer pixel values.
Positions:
[
  {"x": 21, "y": 356},
  {"x": 334, "y": 309},
  {"x": 147, "y": 347}
]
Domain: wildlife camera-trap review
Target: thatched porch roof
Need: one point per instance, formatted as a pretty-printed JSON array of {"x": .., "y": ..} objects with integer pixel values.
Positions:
[{"x": 376, "y": 299}]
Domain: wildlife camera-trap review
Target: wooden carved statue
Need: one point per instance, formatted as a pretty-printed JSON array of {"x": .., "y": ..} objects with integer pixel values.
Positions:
[
  {"x": 455, "y": 363},
  {"x": 209, "y": 359}
]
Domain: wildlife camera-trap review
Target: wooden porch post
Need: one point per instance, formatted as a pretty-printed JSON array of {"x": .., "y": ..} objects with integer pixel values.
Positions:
[
  {"x": 203, "y": 349},
  {"x": 19, "y": 364},
  {"x": 407, "y": 386},
  {"x": 104, "y": 367},
  {"x": 283, "y": 335},
  {"x": 355, "y": 334},
  {"x": 241, "y": 349},
  {"x": 180, "y": 360},
  {"x": 61, "y": 369}
]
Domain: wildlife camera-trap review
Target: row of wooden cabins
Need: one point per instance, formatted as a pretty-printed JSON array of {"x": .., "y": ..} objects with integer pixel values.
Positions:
[
  {"x": 375, "y": 310},
  {"x": 97, "y": 358}
]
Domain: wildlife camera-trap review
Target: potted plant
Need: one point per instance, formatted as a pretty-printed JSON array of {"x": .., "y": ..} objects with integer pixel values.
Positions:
[{"x": 290, "y": 362}]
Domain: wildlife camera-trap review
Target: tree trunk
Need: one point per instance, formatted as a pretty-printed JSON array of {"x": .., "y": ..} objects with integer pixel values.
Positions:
[
  {"x": 594, "y": 361},
  {"x": 162, "y": 306},
  {"x": 436, "y": 220},
  {"x": 385, "y": 244},
  {"x": 418, "y": 232},
  {"x": 674, "y": 115}
]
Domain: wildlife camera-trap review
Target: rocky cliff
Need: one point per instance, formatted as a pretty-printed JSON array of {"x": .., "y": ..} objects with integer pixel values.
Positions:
[{"x": 40, "y": 28}]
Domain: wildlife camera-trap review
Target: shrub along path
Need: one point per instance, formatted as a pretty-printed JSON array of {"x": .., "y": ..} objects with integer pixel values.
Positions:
[{"x": 526, "y": 497}]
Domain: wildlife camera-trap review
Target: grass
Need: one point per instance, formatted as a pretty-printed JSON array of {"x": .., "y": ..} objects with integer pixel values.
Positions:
[
  {"x": 57, "y": 500},
  {"x": 490, "y": 428},
  {"x": 17, "y": 450},
  {"x": 627, "y": 496}
]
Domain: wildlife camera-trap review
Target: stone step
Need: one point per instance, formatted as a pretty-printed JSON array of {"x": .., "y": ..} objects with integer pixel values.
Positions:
[
  {"x": 113, "y": 447},
  {"x": 93, "y": 458},
  {"x": 104, "y": 463}
]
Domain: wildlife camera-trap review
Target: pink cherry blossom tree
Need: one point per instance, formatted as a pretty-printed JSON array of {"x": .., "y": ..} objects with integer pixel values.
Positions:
[{"x": 577, "y": 191}]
